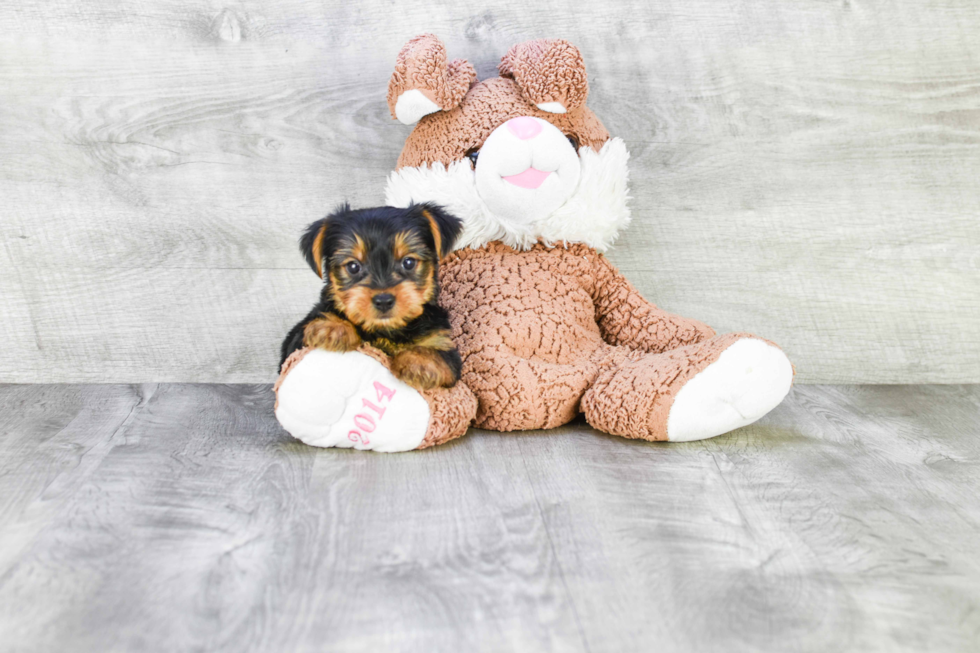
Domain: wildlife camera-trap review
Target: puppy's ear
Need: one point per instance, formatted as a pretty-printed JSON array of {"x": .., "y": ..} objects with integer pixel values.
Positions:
[
  {"x": 444, "y": 227},
  {"x": 311, "y": 242}
]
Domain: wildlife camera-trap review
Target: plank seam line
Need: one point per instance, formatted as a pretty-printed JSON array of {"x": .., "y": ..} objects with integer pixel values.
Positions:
[{"x": 144, "y": 399}]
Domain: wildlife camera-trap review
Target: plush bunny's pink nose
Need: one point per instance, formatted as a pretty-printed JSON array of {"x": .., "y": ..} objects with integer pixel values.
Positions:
[{"x": 524, "y": 127}]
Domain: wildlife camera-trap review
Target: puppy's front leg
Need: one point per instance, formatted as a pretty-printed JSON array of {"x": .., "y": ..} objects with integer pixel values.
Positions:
[
  {"x": 425, "y": 368},
  {"x": 331, "y": 332}
]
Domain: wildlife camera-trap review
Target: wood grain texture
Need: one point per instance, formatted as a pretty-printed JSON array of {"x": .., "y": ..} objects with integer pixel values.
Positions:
[
  {"x": 805, "y": 171},
  {"x": 181, "y": 517}
]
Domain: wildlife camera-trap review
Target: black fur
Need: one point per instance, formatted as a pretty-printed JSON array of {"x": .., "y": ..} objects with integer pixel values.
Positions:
[{"x": 373, "y": 226}]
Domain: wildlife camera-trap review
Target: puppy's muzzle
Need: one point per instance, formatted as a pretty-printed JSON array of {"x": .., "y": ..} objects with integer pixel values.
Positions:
[{"x": 383, "y": 302}]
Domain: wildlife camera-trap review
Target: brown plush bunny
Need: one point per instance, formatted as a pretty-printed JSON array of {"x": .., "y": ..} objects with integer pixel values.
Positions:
[{"x": 546, "y": 326}]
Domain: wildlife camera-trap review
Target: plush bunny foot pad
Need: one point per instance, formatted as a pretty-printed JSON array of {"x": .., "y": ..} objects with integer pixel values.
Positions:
[
  {"x": 332, "y": 399},
  {"x": 748, "y": 380}
]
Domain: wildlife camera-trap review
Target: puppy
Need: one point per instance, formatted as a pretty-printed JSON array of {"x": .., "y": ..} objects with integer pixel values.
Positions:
[{"x": 380, "y": 269}]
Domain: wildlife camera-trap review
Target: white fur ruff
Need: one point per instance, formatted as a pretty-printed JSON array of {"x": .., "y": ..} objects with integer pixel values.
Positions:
[{"x": 594, "y": 215}]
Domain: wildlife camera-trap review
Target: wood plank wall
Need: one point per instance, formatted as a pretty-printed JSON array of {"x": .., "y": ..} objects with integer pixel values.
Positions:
[{"x": 809, "y": 171}]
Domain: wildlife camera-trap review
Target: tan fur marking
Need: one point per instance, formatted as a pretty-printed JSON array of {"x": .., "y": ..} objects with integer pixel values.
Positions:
[
  {"x": 359, "y": 249},
  {"x": 409, "y": 304},
  {"x": 388, "y": 346},
  {"x": 436, "y": 234},
  {"x": 429, "y": 289},
  {"x": 318, "y": 250},
  {"x": 422, "y": 368},
  {"x": 402, "y": 246},
  {"x": 332, "y": 290},
  {"x": 357, "y": 304},
  {"x": 440, "y": 340},
  {"x": 331, "y": 332}
]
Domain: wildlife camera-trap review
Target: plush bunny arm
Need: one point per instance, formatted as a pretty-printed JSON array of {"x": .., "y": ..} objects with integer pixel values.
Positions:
[{"x": 625, "y": 318}]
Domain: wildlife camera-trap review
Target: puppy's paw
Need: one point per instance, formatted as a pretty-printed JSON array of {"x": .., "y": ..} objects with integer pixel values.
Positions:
[
  {"x": 422, "y": 369},
  {"x": 331, "y": 332}
]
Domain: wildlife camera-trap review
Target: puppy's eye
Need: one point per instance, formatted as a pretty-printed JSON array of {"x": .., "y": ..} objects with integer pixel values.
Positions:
[
  {"x": 473, "y": 155},
  {"x": 573, "y": 141},
  {"x": 409, "y": 263},
  {"x": 353, "y": 267}
]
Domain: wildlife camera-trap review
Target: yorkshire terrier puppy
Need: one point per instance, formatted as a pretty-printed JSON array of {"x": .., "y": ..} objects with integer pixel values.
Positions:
[{"x": 380, "y": 271}]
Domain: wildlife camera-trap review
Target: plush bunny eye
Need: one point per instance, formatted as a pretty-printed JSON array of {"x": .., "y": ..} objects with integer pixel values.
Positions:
[
  {"x": 573, "y": 141},
  {"x": 473, "y": 155},
  {"x": 353, "y": 268}
]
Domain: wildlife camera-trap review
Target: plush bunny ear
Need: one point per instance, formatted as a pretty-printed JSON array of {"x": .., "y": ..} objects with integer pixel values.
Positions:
[
  {"x": 550, "y": 72},
  {"x": 424, "y": 83}
]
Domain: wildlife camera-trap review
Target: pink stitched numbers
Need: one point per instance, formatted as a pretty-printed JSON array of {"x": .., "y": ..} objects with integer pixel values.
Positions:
[{"x": 364, "y": 420}]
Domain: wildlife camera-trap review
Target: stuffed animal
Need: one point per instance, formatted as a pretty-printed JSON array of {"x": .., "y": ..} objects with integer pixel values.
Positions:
[{"x": 546, "y": 325}]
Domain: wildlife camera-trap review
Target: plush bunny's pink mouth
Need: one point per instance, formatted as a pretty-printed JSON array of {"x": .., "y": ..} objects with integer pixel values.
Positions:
[{"x": 530, "y": 178}]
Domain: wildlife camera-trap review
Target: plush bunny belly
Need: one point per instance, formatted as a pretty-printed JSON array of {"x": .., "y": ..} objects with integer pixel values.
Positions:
[
  {"x": 535, "y": 304},
  {"x": 525, "y": 325}
]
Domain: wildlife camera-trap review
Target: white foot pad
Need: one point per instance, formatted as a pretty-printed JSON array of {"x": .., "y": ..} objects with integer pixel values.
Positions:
[
  {"x": 748, "y": 380},
  {"x": 330, "y": 399}
]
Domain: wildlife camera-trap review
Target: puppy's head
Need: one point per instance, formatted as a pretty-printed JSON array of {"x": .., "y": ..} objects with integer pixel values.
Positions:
[{"x": 380, "y": 266}]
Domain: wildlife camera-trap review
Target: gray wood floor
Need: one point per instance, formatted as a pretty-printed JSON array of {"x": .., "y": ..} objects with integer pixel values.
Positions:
[{"x": 180, "y": 517}]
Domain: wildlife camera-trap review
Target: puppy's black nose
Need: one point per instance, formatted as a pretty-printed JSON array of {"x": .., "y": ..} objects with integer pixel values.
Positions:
[{"x": 383, "y": 301}]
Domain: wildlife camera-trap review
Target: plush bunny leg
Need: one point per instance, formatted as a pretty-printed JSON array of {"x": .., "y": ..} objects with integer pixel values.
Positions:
[
  {"x": 519, "y": 394},
  {"x": 691, "y": 393},
  {"x": 331, "y": 399}
]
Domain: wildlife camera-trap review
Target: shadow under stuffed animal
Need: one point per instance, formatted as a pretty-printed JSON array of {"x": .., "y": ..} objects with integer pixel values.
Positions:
[{"x": 546, "y": 325}]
